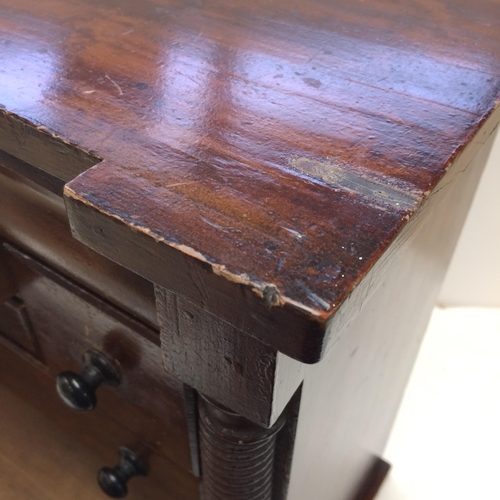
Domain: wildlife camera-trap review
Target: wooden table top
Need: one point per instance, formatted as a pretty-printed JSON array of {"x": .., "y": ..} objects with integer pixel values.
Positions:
[{"x": 284, "y": 144}]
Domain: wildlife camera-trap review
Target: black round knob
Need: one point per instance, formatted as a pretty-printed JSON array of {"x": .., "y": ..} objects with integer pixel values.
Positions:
[
  {"x": 113, "y": 481},
  {"x": 77, "y": 390}
]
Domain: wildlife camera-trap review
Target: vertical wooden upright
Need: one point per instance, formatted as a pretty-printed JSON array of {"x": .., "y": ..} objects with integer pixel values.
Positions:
[{"x": 237, "y": 455}]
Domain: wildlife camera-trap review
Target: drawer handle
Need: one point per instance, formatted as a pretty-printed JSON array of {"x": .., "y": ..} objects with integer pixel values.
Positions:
[
  {"x": 77, "y": 390},
  {"x": 113, "y": 481}
]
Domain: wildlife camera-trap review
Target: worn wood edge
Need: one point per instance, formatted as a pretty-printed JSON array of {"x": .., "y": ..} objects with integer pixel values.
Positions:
[
  {"x": 106, "y": 234},
  {"x": 327, "y": 326},
  {"x": 268, "y": 292},
  {"x": 369, "y": 283},
  {"x": 43, "y": 149}
]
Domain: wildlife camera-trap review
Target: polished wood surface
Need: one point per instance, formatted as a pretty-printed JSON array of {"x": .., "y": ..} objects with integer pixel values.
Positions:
[
  {"x": 254, "y": 155},
  {"x": 290, "y": 176}
]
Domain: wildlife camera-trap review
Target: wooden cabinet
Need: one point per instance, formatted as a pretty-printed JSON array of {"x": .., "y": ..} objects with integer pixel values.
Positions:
[{"x": 246, "y": 209}]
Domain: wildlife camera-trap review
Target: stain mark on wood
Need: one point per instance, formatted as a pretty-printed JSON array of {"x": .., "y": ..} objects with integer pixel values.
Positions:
[{"x": 341, "y": 176}]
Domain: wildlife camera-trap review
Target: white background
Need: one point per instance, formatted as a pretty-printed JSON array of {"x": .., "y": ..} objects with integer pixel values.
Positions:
[{"x": 474, "y": 275}]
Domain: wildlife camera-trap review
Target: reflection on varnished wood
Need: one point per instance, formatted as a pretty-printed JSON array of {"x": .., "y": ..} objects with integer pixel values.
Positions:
[{"x": 282, "y": 145}]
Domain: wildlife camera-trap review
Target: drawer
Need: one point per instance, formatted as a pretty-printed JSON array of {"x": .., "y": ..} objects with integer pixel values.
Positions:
[
  {"x": 34, "y": 219},
  {"x": 97, "y": 431},
  {"x": 67, "y": 321}
]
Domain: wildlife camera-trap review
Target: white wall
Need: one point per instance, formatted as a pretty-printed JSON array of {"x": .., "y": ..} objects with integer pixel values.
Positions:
[{"x": 473, "y": 278}]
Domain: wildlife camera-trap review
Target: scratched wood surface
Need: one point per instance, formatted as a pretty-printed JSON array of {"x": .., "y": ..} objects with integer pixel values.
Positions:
[{"x": 281, "y": 146}]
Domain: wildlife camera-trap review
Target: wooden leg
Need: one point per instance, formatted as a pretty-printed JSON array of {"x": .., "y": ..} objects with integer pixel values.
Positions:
[
  {"x": 237, "y": 456},
  {"x": 373, "y": 480}
]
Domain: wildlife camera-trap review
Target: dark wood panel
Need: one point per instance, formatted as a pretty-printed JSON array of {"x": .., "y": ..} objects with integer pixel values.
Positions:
[
  {"x": 96, "y": 430},
  {"x": 35, "y": 174},
  {"x": 283, "y": 147},
  {"x": 236, "y": 370}
]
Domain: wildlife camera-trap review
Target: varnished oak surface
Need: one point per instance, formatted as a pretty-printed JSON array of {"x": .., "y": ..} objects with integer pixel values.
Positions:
[{"x": 280, "y": 146}]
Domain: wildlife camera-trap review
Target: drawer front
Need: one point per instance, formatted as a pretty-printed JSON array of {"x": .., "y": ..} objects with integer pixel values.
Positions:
[
  {"x": 35, "y": 219},
  {"x": 96, "y": 430},
  {"x": 67, "y": 321}
]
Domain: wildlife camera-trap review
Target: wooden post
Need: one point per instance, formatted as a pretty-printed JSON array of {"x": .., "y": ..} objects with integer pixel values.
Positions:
[{"x": 237, "y": 456}]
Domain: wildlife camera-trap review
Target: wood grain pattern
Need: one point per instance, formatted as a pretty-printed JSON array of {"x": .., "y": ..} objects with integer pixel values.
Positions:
[
  {"x": 33, "y": 452},
  {"x": 282, "y": 147},
  {"x": 239, "y": 372}
]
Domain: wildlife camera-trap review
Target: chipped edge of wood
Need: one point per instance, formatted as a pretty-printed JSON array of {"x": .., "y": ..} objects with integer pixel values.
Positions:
[
  {"x": 269, "y": 292},
  {"x": 44, "y": 130}
]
